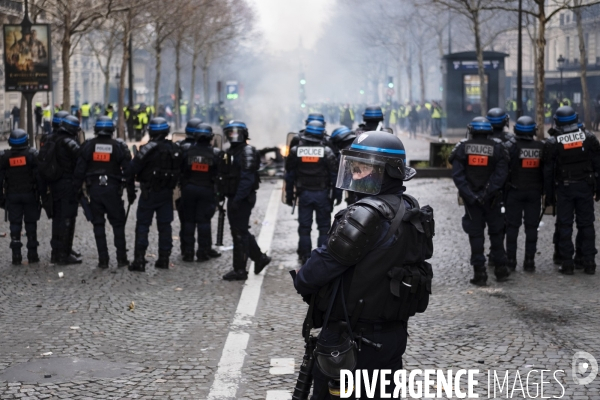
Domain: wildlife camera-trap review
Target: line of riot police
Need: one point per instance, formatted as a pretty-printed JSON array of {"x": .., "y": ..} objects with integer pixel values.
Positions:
[
  {"x": 68, "y": 172},
  {"x": 502, "y": 179}
]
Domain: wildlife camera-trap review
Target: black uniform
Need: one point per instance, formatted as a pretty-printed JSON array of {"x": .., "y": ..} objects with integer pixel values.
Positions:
[
  {"x": 571, "y": 179},
  {"x": 524, "y": 196},
  {"x": 104, "y": 166},
  {"x": 198, "y": 203},
  {"x": 22, "y": 187},
  {"x": 64, "y": 196},
  {"x": 157, "y": 167},
  {"x": 479, "y": 170},
  {"x": 312, "y": 168}
]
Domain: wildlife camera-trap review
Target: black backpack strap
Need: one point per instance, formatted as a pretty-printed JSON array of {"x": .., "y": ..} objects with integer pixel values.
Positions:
[{"x": 395, "y": 223}]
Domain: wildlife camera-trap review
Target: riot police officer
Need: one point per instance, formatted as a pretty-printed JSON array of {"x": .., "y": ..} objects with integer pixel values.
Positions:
[
  {"x": 311, "y": 117},
  {"x": 239, "y": 181},
  {"x": 524, "y": 197},
  {"x": 198, "y": 203},
  {"x": 372, "y": 120},
  {"x": 21, "y": 198},
  {"x": 103, "y": 166},
  {"x": 341, "y": 138},
  {"x": 157, "y": 167},
  {"x": 358, "y": 282},
  {"x": 479, "y": 170},
  {"x": 311, "y": 167},
  {"x": 572, "y": 182},
  {"x": 64, "y": 196},
  {"x": 500, "y": 121}
]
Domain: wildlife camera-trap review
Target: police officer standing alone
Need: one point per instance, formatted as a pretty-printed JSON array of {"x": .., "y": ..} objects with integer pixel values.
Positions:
[
  {"x": 312, "y": 169},
  {"x": 198, "y": 203},
  {"x": 358, "y": 281},
  {"x": 479, "y": 171},
  {"x": 21, "y": 198},
  {"x": 524, "y": 197},
  {"x": 157, "y": 167},
  {"x": 572, "y": 183},
  {"x": 239, "y": 181},
  {"x": 103, "y": 166}
]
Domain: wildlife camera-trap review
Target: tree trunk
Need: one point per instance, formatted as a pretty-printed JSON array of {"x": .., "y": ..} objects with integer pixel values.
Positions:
[
  {"x": 193, "y": 88},
  {"x": 587, "y": 110},
  {"x": 106, "y": 85},
  {"x": 421, "y": 75},
  {"x": 541, "y": 88},
  {"x": 65, "y": 58},
  {"x": 409, "y": 76},
  {"x": 205, "y": 86},
  {"x": 177, "y": 109},
  {"x": 124, "y": 63},
  {"x": 23, "y": 113},
  {"x": 480, "y": 66},
  {"x": 158, "y": 50}
]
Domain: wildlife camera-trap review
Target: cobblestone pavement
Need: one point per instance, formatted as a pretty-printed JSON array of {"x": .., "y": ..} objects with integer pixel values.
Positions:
[{"x": 169, "y": 346}]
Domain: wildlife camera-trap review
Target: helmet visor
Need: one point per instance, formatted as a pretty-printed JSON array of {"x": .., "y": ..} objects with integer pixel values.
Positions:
[
  {"x": 362, "y": 174},
  {"x": 235, "y": 135}
]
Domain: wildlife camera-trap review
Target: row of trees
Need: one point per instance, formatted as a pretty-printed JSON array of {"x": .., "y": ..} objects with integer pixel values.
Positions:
[{"x": 202, "y": 30}]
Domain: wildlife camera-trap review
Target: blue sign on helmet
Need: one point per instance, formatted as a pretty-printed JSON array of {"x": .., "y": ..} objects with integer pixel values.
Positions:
[
  {"x": 18, "y": 141},
  {"x": 525, "y": 128},
  {"x": 373, "y": 114},
  {"x": 481, "y": 126},
  {"x": 569, "y": 118},
  {"x": 70, "y": 122},
  {"x": 158, "y": 127},
  {"x": 314, "y": 130},
  {"x": 105, "y": 124},
  {"x": 340, "y": 131},
  {"x": 496, "y": 120},
  {"x": 315, "y": 117},
  {"x": 233, "y": 125}
]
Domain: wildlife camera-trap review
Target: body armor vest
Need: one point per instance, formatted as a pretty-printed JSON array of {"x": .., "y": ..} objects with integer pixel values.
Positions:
[
  {"x": 19, "y": 167},
  {"x": 574, "y": 161},
  {"x": 480, "y": 161},
  {"x": 312, "y": 172},
  {"x": 199, "y": 166},
  {"x": 230, "y": 168},
  {"x": 526, "y": 172},
  {"x": 106, "y": 156},
  {"x": 163, "y": 168}
]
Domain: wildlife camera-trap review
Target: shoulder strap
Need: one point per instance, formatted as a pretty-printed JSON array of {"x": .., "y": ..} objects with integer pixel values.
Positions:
[{"x": 395, "y": 224}]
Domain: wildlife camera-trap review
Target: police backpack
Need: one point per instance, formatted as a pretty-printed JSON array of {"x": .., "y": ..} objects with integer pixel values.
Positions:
[{"x": 48, "y": 165}]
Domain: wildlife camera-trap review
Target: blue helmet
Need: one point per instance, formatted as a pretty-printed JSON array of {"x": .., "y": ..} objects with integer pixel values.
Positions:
[
  {"x": 314, "y": 131},
  {"x": 204, "y": 131},
  {"x": 480, "y": 126},
  {"x": 236, "y": 131},
  {"x": 498, "y": 118},
  {"x": 373, "y": 113},
  {"x": 18, "y": 139},
  {"x": 57, "y": 119},
  {"x": 315, "y": 117},
  {"x": 190, "y": 128},
  {"x": 70, "y": 125},
  {"x": 565, "y": 116},
  {"x": 104, "y": 126},
  {"x": 158, "y": 127},
  {"x": 525, "y": 126},
  {"x": 341, "y": 134}
]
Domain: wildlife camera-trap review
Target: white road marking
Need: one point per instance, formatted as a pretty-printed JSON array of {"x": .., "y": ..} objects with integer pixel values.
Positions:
[
  {"x": 282, "y": 366},
  {"x": 278, "y": 395},
  {"x": 229, "y": 371}
]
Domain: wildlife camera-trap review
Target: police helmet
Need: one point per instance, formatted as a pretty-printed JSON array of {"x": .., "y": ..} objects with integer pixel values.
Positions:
[
  {"x": 480, "y": 126},
  {"x": 566, "y": 119},
  {"x": 70, "y": 125},
  {"x": 57, "y": 119},
  {"x": 158, "y": 127},
  {"x": 525, "y": 126},
  {"x": 236, "y": 131},
  {"x": 314, "y": 131},
  {"x": 18, "y": 139},
  {"x": 342, "y": 134},
  {"x": 204, "y": 132},
  {"x": 104, "y": 126},
  {"x": 315, "y": 117},
  {"x": 498, "y": 118},
  {"x": 372, "y": 155},
  {"x": 373, "y": 113},
  {"x": 190, "y": 128}
]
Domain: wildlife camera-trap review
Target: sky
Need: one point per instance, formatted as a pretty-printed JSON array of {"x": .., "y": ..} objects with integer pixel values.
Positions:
[{"x": 284, "y": 23}]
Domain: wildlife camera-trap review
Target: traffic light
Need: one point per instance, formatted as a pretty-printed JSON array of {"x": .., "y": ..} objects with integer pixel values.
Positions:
[
  {"x": 391, "y": 82},
  {"x": 303, "y": 81},
  {"x": 302, "y": 90},
  {"x": 362, "y": 91}
]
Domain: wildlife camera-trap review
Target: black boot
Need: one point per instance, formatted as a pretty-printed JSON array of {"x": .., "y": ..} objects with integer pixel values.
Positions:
[
  {"x": 236, "y": 275},
  {"x": 479, "y": 276},
  {"x": 163, "y": 260},
  {"x": 15, "y": 246},
  {"x": 202, "y": 255},
  {"x": 187, "y": 256},
  {"x": 122, "y": 262},
  {"x": 212, "y": 253},
  {"x": 32, "y": 256},
  {"x": 578, "y": 261},
  {"x": 66, "y": 241},
  {"x": 589, "y": 267},
  {"x": 511, "y": 264},
  {"x": 240, "y": 259},
  {"x": 53, "y": 257},
  {"x": 75, "y": 253},
  {"x": 567, "y": 267},
  {"x": 261, "y": 263},
  {"x": 32, "y": 245},
  {"x": 490, "y": 263},
  {"x": 103, "y": 262},
  {"x": 501, "y": 272},
  {"x": 139, "y": 261},
  {"x": 529, "y": 264},
  {"x": 556, "y": 258}
]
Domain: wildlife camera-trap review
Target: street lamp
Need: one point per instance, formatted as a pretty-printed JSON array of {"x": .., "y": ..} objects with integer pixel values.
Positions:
[{"x": 561, "y": 66}]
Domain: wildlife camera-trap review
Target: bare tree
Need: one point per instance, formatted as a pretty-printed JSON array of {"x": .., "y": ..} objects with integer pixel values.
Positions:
[
  {"x": 587, "y": 109},
  {"x": 103, "y": 43}
]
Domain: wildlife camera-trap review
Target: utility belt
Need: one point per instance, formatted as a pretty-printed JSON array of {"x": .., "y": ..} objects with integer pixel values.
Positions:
[
  {"x": 103, "y": 180},
  {"x": 369, "y": 328},
  {"x": 312, "y": 183}
]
